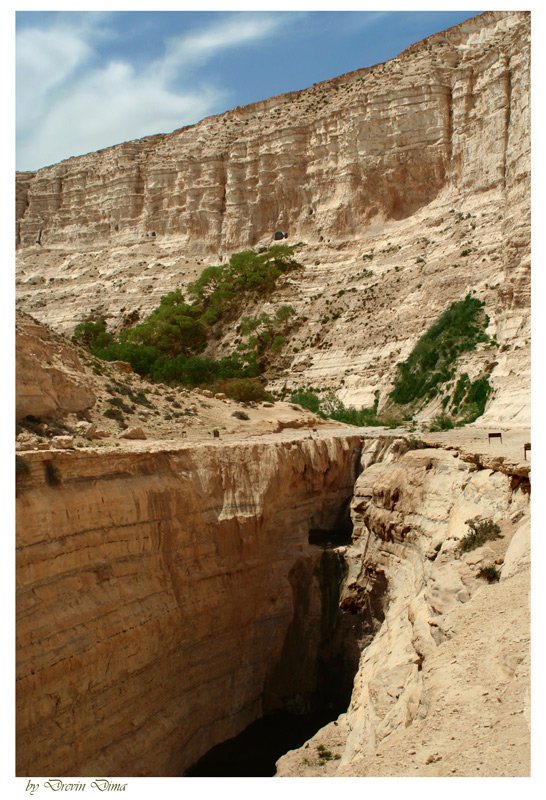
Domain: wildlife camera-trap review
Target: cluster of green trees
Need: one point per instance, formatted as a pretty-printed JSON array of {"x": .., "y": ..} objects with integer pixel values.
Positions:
[
  {"x": 327, "y": 405},
  {"x": 432, "y": 361},
  {"x": 168, "y": 345},
  {"x": 431, "y": 364}
]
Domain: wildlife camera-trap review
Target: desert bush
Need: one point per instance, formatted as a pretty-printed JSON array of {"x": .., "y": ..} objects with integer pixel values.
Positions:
[
  {"x": 441, "y": 422},
  {"x": 245, "y": 390},
  {"x": 118, "y": 403},
  {"x": 240, "y": 415},
  {"x": 490, "y": 573},
  {"x": 115, "y": 413},
  {"x": 481, "y": 531}
]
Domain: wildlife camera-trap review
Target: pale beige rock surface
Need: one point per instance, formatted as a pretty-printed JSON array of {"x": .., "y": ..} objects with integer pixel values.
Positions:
[
  {"x": 443, "y": 688},
  {"x": 50, "y": 377}
]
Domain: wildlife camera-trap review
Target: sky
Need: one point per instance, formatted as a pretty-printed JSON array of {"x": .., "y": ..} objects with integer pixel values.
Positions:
[{"x": 86, "y": 80}]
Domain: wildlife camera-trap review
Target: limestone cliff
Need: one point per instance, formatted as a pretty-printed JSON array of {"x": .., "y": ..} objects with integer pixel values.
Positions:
[
  {"x": 409, "y": 183},
  {"x": 443, "y": 687},
  {"x": 154, "y": 594},
  {"x": 51, "y": 380}
]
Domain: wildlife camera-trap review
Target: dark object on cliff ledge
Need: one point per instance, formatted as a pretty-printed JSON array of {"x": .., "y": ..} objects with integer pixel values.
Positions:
[{"x": 279, "y": 235}]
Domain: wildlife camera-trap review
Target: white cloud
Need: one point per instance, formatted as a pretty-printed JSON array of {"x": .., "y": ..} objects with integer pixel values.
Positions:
[
  {"x": 44, "y": 61},
  {"x": 67, "y": 105},
  {"x": 109, "y": 106},
  {"x": 234, "y": 31}
]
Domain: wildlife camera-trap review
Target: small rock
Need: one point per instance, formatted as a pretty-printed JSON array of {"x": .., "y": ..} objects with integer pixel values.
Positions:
[
  {"x": 268, "y": 405},
  {"x": 220, "y": 396},
  {"x": 207, "y": 393},
  {"x": 122, "y": 366},
  {"x": 62, "y": 442},
  {"x": 433, "y": 758},
  {"x": 86, "y": 428},
  {"x": 133, "y": 433}
]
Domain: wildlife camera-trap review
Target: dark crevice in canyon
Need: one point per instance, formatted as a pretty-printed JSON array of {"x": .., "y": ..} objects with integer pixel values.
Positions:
[{"x": 312, "y": 682}]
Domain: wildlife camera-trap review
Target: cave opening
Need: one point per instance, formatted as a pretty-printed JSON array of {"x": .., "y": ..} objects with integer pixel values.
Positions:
[{"x": 312, "y": 682}]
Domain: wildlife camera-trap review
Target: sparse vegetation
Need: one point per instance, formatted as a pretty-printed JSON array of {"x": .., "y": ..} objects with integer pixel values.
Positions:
[
  {"x": 240, "y": 415},
  {"x": 432, "y": 361},
  {"x": 325, "y": 755},
  {"x": 441, "y": 422},
  {"x": 490, "y": 573},
  {"x": 481, "y": 531}
]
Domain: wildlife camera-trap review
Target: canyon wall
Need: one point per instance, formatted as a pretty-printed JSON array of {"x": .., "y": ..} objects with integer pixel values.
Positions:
[
  {"x": 382, "y": 141},
  {"x": 155, "y": 590},
  {"x": 443, "y": 688},
  {"x": 408, "y": 182}
]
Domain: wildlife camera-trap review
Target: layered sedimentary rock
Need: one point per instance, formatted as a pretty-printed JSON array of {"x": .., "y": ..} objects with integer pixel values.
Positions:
[
  {"x": 384, "y": 140},
  {"x": 443, "y": 688},
  {"x": 154, "y": 594},
  {"x": 409, "y": 182},
  {"x": 51, "y": 380}
]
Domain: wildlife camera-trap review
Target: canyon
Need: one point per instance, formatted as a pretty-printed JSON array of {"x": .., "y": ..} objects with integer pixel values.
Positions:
[{"x": 189, "y": 572}]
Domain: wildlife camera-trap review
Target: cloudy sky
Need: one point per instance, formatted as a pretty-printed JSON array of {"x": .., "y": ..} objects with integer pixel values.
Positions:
[{"x": 88, "y": 80}]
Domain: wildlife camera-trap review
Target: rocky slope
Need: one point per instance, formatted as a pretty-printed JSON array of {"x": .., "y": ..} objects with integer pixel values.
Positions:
[
  {"x": 443, "y": 689},
  {"x": 408, "y": 182}
]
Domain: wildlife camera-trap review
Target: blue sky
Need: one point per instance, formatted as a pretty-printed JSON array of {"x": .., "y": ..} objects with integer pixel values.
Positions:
[{"x": 88, "y": 80}]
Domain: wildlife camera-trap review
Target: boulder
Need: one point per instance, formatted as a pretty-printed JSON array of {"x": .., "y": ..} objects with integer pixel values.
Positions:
[
  {"x": 62, "y": 442},
  {"x": 133, "y": 433}
]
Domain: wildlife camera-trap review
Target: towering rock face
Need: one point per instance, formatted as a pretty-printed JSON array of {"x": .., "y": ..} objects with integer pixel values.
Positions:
[
  {"x": 380, "y": 142},
  {"x": 154, "y": 594},
  {"x": 409, "y": 182}
]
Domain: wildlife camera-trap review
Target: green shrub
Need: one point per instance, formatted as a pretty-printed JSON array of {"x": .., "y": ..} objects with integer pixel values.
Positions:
[
  {"x": 115, "y": 413},
  {"x": 325, "y": 755},
  {"x": 441, "y": 422},
  {"x": 431, "y": 362},
  {"x": 118, "y": 403},
  {"x": 240, "y": 415},
  {"x": 245, "y": 390},
  {"x": 490, "y": 573},
  {"x": 481, "y": 531},
  {"x": 306, "y": 399}
]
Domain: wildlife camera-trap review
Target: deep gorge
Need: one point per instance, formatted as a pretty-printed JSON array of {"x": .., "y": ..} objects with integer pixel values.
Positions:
[
  {"x": 170, "y": 600},
  {"x": 179, "y": 593}
]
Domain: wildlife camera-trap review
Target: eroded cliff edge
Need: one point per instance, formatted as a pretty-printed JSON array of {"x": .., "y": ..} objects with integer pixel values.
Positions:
[
  {"x": 443, "y": 688},
  {"x": 154, "y": 595}
]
